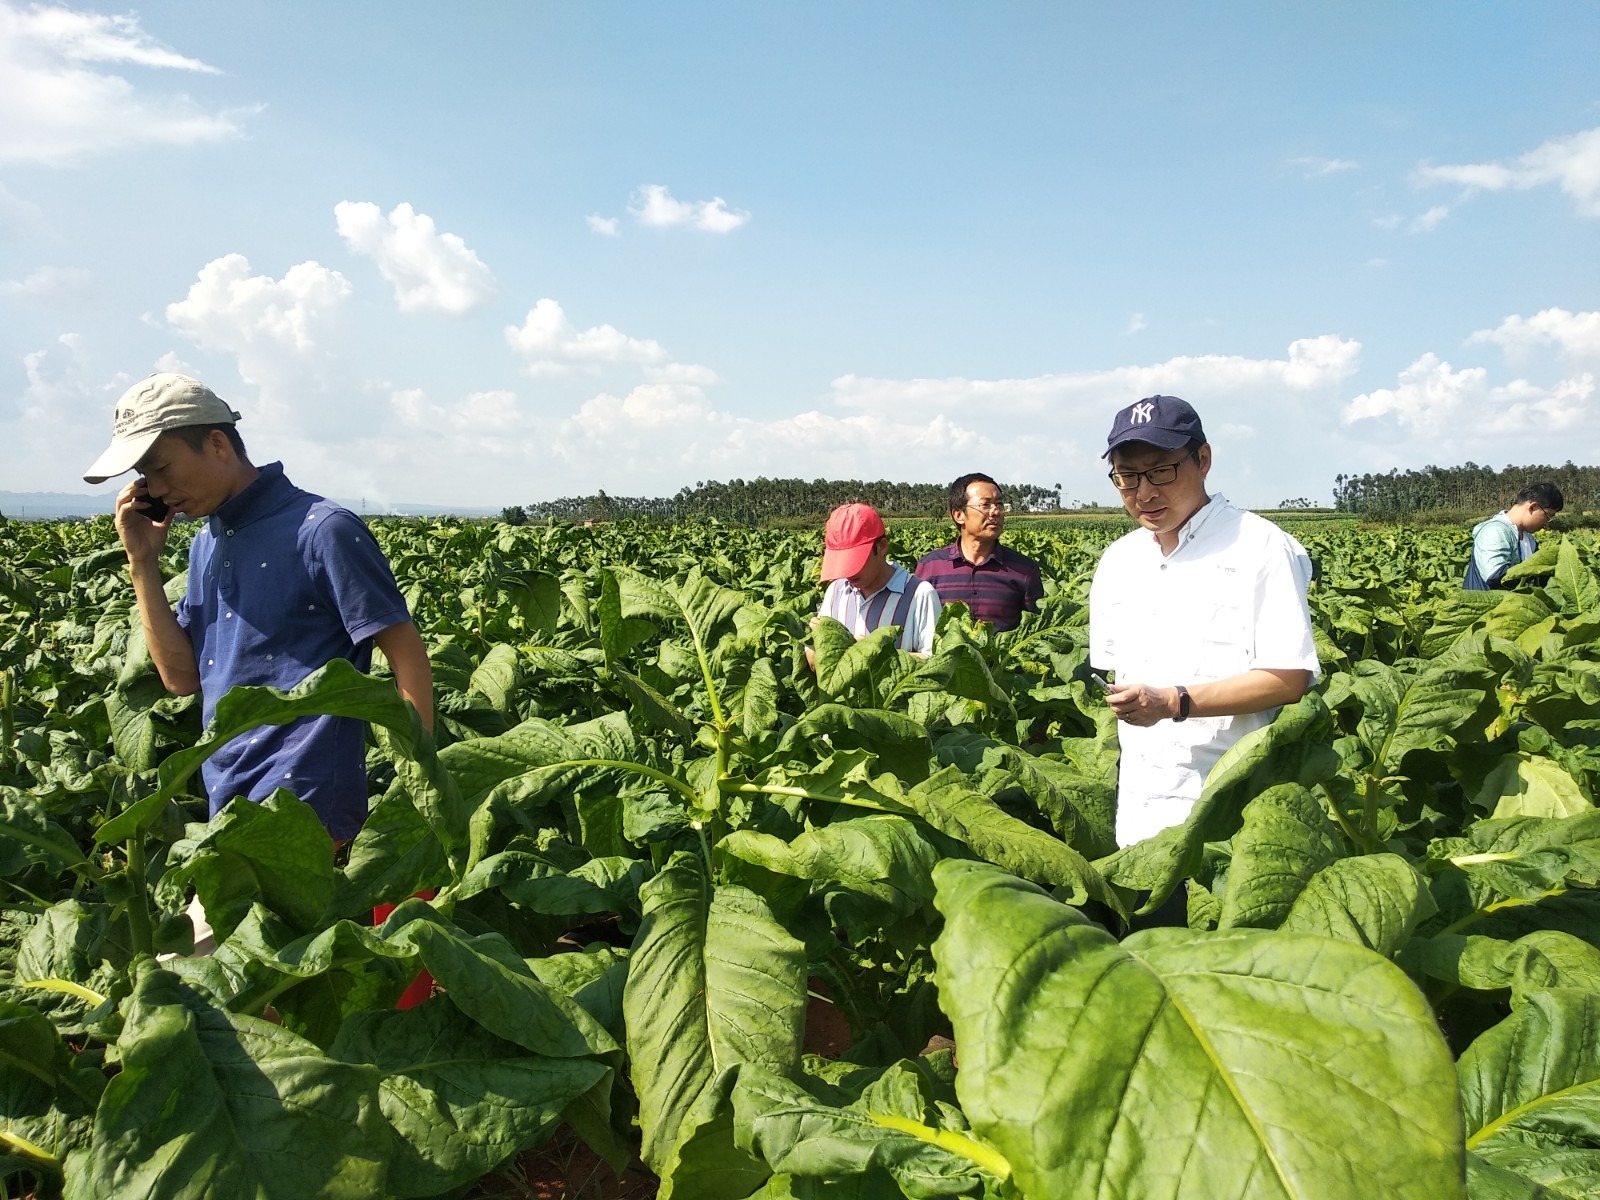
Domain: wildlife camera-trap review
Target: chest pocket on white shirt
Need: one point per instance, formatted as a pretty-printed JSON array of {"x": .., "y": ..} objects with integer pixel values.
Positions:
[{"x": 1227, "y": 638}]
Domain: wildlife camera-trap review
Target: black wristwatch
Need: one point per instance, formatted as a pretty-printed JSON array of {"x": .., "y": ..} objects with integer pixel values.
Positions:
[{"x": 1183, "y": 703}]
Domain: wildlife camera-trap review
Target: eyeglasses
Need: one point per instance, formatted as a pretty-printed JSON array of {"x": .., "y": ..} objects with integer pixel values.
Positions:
[
  {"x": 1128, "y": 481},
  {"x": 991, "y": 506}
]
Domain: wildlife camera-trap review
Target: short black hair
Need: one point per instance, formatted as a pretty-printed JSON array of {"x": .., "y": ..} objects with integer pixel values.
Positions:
[
  {"x": 1546, "y": 495},
  {"x": 958, "y": 489},
  {"x": 1192, "y": 446},
  {"x": 196, "y": 436}
]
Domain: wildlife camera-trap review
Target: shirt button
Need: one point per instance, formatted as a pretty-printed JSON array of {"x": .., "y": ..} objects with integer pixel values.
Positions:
[
  {"x": 1163, "y": 566},
  {"x": 227, "y": 562},
  {"x": 230, "y": 533}
]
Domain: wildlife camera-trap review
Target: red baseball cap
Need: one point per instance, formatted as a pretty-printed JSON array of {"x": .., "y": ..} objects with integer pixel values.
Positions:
[{"x": 852, "y": 529}]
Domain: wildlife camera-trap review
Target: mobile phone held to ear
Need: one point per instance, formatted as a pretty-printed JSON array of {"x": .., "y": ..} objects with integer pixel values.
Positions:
[{"x": 155, "y": 509}]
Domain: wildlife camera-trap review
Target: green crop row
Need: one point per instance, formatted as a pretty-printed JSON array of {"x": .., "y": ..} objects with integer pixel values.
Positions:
[{"x": 661, "y": 844}]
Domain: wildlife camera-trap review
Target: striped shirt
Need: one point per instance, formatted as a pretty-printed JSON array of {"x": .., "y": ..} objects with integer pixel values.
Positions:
[
  {"x": 904, "y": 601},
  {"x": 997, "y": 590}
]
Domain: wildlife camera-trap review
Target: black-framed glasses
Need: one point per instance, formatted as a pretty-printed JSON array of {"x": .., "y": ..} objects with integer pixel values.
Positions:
[
  {"x": 1128, "y": 481},
  {"x": 990, "y": 506}
]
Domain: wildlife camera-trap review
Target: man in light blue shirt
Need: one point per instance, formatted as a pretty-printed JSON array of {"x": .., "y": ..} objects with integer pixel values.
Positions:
[{"x": 1506, "y": 538}]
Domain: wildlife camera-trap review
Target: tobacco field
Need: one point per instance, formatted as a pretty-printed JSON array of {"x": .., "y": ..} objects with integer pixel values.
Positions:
[{"x": 660, "y": 841}]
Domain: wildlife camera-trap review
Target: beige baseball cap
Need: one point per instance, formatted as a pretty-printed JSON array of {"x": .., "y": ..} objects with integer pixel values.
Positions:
[{"x": 147, "y": 410}]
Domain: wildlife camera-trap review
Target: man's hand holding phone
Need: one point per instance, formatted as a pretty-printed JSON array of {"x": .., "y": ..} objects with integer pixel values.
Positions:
[{"x": 142, "y": 521}]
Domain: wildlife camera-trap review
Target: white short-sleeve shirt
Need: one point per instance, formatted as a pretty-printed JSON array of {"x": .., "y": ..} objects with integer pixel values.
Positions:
[
  {"x": 861, "y": 614},
  {"x": 1230, "y": 598}
]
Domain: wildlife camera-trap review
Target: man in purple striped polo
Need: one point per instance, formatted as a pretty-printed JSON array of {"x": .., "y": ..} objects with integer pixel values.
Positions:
[{"x": 996, "y": 583}]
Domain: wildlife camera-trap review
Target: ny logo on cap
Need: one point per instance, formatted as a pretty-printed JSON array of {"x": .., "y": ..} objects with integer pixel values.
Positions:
[{"x": 1140, "y": 413}]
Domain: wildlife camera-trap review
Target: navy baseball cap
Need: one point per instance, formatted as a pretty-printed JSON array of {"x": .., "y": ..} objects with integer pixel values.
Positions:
[{"x": 1163, "y": 421}]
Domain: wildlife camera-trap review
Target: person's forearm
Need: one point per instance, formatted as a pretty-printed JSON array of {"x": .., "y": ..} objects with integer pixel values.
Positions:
[
  {"x": 171, "y": 651},
  {"x": 1249, "y": 692},
  {"x": 402, "y": 645}
]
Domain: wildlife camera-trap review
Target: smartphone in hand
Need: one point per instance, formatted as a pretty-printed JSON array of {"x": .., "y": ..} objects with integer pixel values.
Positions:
[
  {"x": 1099, "y": 681},
  {"x": 155, "y": 509}
]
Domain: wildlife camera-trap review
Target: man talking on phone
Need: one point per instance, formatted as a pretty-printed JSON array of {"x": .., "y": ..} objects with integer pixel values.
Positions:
[
  {"x": 281, "y": 582},
  {"x": 1201, "y": 612}
]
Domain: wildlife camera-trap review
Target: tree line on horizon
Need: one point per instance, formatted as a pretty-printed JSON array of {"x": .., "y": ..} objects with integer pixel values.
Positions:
[
  {"x": 761, "y": 499},
  {"x": 1461, "y": 488}
]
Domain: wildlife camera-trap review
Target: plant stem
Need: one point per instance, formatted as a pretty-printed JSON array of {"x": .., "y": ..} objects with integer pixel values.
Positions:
[
  {"x": 8, "y": 728},
  {"x": 769, "y": 789},
  {"x": 140, "y": 932}
]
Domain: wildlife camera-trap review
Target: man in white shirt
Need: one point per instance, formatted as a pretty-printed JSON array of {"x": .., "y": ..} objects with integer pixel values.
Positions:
[
  {"x": 1201, "y": 613},
  {"x": 867, "y": 591}
]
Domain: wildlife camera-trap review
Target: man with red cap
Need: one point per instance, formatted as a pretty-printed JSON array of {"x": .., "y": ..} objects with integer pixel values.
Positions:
[{"x": 867, "y": 591}]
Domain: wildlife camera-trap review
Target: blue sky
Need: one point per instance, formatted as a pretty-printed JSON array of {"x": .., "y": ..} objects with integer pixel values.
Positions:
[{"x": 496, "y": 253}]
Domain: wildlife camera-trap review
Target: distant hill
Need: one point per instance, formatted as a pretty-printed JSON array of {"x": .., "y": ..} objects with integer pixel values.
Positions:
[{"x": 39, "y": 506}]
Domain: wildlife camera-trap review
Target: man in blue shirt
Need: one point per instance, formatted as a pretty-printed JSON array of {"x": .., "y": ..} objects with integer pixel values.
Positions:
[
  {"x": 1506, "y": 538},
  {"x": 280, "y": 583}
]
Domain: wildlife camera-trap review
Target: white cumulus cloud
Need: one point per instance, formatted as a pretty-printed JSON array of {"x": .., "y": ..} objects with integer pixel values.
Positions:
[
  {"x": 1429, "y": 221},
  {"x": 429, "y": 271},
  {"x": 1576, "y": 335},
  {"x": 1571, "y": 163},
  {"x": 50, "y": 283},
  {"x": 548, "y": 341},
  {"x": 59, "y": 104},
  {"x": 655, "y": 206},
  {"x": 607, "y": 226},
  {"x": 1429, "y": 394},
  {"x": 230, "y": 309}
]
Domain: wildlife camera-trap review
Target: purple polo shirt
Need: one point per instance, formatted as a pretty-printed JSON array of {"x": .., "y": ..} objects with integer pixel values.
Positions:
[
  {"x": 996, "y": 590},
  {"x": 282, "y": 582}
]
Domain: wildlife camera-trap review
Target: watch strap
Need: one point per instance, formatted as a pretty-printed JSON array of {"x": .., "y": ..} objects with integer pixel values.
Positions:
[{"x": 1184, "y": 703}]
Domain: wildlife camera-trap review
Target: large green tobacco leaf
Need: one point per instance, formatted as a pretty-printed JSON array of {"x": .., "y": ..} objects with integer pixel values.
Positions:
[
  {"x": 796, "y": 1134},
  {"x": 1523, "y": 785},
  {"x": 1544, "y": 959},
  {"x": 1401, "y": 712},
  {"x": 1374, "y": 900},
  {"x": 950, "y": 804},
  {"x": 1293, "y": 749},
  {"x": 488, "y": 981},
  {"x": 1286, "y": 838},
  {"x": 496, "y": 676},
  {"x": 1578, "y": 583},
  {"x": 24, "y": 820},
  {"x": 1530, "y": 1088},
  {"x": 337, "y": 689},
  {"x": 208, "y": 1105},
  {"x": 884, "y": 858},
  {"x": 714, "y": 980},
  {"x": 902, "y": 746},
  {"x": 1531, "y": 858},
  {"x": 460, "y": 1099},
  {"x": 1177, "y": 1064},
  {"x": 863, "y": 668},
  {"x": 277, "y": 851},
  {"x": 1080, "y": 801}
]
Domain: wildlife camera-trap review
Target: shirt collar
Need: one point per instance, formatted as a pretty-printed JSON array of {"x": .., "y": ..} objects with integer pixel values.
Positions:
[
  {"x": 265, "y": 494},
  {"x": 957, "y": 556},
  {"x": 898, "y": 578},
  {"x": 1195, "y": 526}
]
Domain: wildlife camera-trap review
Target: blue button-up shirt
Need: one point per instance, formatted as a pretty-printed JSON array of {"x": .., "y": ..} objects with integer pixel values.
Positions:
[{"x": 281, "y": 582}]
